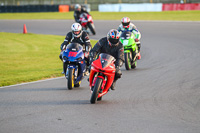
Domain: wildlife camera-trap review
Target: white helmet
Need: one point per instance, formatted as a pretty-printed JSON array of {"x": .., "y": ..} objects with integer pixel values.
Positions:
[
  {"x": 125, "y": 22},
  {"x": 76, "y": 29}
]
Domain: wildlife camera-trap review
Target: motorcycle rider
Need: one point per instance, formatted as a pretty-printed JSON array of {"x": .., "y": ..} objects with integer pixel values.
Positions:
[
  {"x": 77, "y": 36},
  {"x": 110, "y": 45},
  {"x": 126, "y": 25},
  {"x": 78, "y": 10}
]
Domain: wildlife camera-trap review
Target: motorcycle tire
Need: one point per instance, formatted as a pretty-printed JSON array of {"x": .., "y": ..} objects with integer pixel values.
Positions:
[
  {"x": 70, "y": 82},
  {"x": 95, "y": 92},
  {"x": 91, "y": 27},
  {"x": 127, "y": 61}
]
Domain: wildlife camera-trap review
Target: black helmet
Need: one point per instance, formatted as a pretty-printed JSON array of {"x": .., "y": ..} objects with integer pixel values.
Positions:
[{"x": 113, "y": 37}]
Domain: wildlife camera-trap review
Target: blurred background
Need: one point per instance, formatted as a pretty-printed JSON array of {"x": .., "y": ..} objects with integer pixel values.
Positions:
[{"x": 53, "y": 5}]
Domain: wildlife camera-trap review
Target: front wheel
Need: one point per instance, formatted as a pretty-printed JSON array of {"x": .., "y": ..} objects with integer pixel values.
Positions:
[
  {"x": 91, "y": 27},
  {"x": 127, "y": 61},
  {"x": 96, "y": 89},
  {"x": 70, "y": 82}
]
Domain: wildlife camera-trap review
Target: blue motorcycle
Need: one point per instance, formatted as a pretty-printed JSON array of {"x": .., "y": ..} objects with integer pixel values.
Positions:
[{"x": 74, "y": 65}]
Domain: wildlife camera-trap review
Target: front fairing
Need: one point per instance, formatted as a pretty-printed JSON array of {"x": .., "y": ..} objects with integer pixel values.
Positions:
[
  {"x": 104, "y": 63},
  {"x": 73, "y": 53},
  {"x": 85, "y": 18},
  {"x": 103, "y": 68},
  {"x": 128, "y": 41}
]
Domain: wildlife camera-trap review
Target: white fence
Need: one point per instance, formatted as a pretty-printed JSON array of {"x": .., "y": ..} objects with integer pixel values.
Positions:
[{"x": 144, "y": 7}]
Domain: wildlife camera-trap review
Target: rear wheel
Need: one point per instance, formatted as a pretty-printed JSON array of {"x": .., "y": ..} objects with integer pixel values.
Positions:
[
  {"x": 127, "y": 61},
  {"x": 96, "y": 89},
  {"x": 70, "y": 82},
  {"x": 91, "y": 27}
]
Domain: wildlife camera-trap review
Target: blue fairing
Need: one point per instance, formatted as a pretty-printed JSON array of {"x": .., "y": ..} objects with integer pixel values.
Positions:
[
  {"x": 73, "y": 53},
  {"x": 74, "y": 56}
]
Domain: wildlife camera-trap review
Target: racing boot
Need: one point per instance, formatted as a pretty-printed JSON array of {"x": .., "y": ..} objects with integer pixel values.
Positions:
[
  {"x": 113, "y": 85},
  {"x": 86, "y": 71},
  {"x": 138, "y": 56}
]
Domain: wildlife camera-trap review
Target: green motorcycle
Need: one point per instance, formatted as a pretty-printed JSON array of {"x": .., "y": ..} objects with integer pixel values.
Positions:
[{"x": 127, "y": 38}]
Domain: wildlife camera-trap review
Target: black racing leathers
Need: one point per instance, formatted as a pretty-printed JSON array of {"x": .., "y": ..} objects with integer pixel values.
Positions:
[
  {"x": 77, "y": 14},
  {"x": 83, "y": 40},
  {"x": 102, "y": 46}
]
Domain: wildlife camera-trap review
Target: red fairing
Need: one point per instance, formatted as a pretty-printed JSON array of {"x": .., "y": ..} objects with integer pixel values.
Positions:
[
  {"x": 107, "y": 74},
  {"x": 85, "y": 18}
]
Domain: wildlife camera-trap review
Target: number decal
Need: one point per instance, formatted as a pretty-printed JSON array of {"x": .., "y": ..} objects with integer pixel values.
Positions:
[{"x": 72, "y": 54}]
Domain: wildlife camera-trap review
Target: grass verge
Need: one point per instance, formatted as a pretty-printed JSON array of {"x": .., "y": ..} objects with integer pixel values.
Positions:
[
  {"x": 165, "y": 15},
  {"x": 29, "y": 57}
]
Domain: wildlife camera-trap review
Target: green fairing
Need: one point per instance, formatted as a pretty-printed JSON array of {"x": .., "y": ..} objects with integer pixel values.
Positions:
[
  {"x": 130, "y": 45},
  {"x": 130, "y": 49}
]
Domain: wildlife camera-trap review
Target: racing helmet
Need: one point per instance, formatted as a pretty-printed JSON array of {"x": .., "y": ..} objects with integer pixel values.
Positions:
[
  {"x": 76, "y": 29},
  {"x": 125, "y": 22},
  {"x": 113, "y": 37},
  {"x": 77, "y": 8}
]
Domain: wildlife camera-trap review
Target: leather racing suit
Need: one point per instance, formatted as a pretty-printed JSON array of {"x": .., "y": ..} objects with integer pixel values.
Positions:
[
  {"x": 136, "y": 32},
  {"x": 77, "y": 14},
  {"x": 102, "y": 46},
  {"x": 83, "y": 40}
]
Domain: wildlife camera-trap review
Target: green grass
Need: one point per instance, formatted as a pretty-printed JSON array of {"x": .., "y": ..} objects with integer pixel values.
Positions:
[
  {"x": 166, "y": 15},
  {"x": 29, "y": 57}
]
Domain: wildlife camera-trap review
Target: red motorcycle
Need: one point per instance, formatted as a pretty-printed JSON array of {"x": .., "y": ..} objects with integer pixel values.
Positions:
[
  {"x": 87, "y": 22},
  {"x": 101, "y": 77}
]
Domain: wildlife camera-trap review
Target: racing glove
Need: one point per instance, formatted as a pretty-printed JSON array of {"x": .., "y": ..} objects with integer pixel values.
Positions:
[{"x": 118, "y": 73}]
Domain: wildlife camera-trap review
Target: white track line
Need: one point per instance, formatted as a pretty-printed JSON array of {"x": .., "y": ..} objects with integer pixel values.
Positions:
[{"x": 31, "y": 82}]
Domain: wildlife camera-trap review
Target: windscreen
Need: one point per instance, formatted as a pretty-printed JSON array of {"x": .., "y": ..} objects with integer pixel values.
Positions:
[
  {"x": 106, "y": 59},
  {"x": 83, "y": 15},
  {"x": 74, "y": 47},
  {"x": 126, "y": 35}
]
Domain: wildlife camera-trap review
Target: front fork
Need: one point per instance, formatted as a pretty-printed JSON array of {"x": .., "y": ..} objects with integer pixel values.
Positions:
[
  {"x": 66, "y": 68},
  {"x": 103, "y": 83}
]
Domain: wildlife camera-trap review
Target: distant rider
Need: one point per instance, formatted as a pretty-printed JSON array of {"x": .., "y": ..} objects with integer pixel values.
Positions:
[
  {"x": 126, "y": 25},
  {"x": 78, "y": 10},
  {"x": 77, "y": 36},
  {"x": 110, "y": 45}
]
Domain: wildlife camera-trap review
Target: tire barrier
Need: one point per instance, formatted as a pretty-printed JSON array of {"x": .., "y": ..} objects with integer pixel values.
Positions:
[{"x": 29, "y": 8}]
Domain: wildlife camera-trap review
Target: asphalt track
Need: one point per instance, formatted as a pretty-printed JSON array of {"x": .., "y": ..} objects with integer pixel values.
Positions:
[{"x": 162, "y": 95}]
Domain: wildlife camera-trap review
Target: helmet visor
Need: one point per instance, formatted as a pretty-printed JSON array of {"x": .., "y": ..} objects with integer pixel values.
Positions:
[
  {"x": 113, "y": 41},
  {"x": 76, "y": 32},
  {"x": 78, "y": 9},
  {"x": 125, "y": 24}
]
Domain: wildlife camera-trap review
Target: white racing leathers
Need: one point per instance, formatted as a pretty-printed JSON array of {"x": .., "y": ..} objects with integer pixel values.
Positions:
[{"x": 132, "y": 28}]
